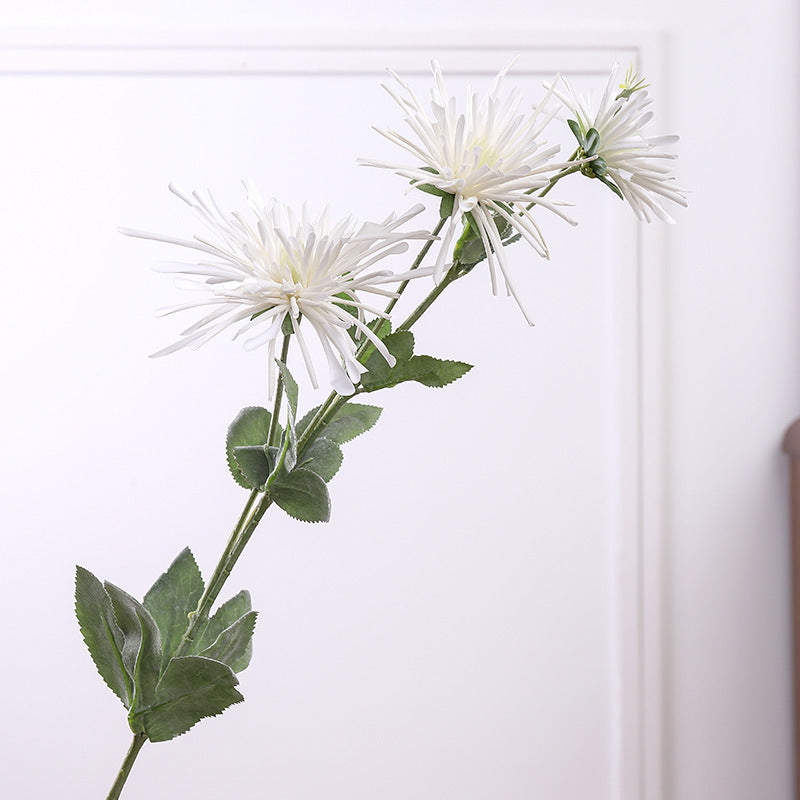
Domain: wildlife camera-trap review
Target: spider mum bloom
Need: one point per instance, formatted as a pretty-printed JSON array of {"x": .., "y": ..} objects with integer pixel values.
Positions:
[
  {"x": 625, "y": 158},
  {"x": 255, "y": 276},
  {"x": 489, "y": 158}
]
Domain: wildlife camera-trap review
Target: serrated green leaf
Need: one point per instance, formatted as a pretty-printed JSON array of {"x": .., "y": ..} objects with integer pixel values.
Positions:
[
  {"x": 351, "y": 420},
  {"x": 102, "y": 634},
  {"x": 379, "y": 373},
  {"x": 323, "y": 457},
  {"x": 253, "y": 463},
  {"x": 429, "y": 371},
  {"x": 302, "y": 494},
  {"x": 172, "y": 598},
  {"x": 141, "y": 649},
  {"x": 436, "y": 372},
  {"x": 234, "y": 645},
  {"x": 192, "y": 688},
  {"x": 231, "y": 610},
  {"x": 305, "y": 420},
  {"x": 251, "y": 427},
  {"x": 382, "y": 331}
]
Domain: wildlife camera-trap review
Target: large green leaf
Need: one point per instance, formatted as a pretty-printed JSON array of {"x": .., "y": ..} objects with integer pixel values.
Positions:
[
  {"x": 191, "y": 688},
  {"x": 141, "y": 649},
  {"x": 102, "y": 634},
  {"x": 251, "y": 427},
  {"x": 302, "y": 494},
  {"x": 172, "y": 598},
  {"x": 351, "y": 420},
  {"x": 234, "y": 645},
  {"x": 230, "y": 611},
  {"x": 429, "y": 371},
  {"x": 323, "y": 457},
  {"x": 305, "y": 420},
  {"x": 253, "y": 463}
]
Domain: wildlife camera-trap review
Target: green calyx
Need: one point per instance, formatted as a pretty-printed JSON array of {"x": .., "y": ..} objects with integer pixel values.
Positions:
[{"x": 588, "y": 148}]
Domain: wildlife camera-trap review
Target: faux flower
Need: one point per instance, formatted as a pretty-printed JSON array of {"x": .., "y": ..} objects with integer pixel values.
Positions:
[
  {"x": 489, "y": 157},
  {"x": 631, "y": 164},
  {"x": 257, "y": 275}
]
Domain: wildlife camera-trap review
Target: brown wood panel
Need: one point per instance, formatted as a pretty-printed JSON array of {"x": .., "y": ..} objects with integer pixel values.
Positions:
[{"x": 791, "y": 445}]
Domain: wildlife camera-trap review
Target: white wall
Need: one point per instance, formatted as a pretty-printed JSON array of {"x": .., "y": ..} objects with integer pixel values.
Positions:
[{"x": 732, "y": 367}]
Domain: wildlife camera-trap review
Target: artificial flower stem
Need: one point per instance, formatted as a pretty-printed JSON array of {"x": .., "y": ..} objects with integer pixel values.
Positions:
[
  {"x": 452, "y": 274},
  {"x": 247, "y": 532},
  {"x": 273, "y": 425},
  {"x": 417, "y": 261},
  {"x": 227, "y": 560},
  {"x": 217, "y": 581},
  {"x": 213, "y": 589},
  {"x": 136, "y": 745},
  {"x": 225, "y": 563}
]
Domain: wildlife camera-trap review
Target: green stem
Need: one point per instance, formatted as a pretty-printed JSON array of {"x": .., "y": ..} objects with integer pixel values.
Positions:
[
  {"x": 136, "y": 745},
  {"x": 453, "y": 274},
  {"x": 273, "y": 425},
  {"x": 417, "y": 261},
  {"x": 217, "y": 581},
  {"x": 226, "y": 562}
]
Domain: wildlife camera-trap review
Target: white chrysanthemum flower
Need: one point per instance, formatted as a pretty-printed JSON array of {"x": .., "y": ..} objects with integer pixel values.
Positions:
[
  {"x": 635, "y": 164},
  {"x": 489, "y": 158},
  {"x": 260, "y": 274}
]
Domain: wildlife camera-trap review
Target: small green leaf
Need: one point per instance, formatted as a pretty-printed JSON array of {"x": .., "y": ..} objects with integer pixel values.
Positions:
[
  {"x": 611, "y": 185},
  {"x": 430, "y": 189},
  {"x": 231, "y": 610},
  {"x": 446, "y": 206},
  {"x": 302, "y": 494},
  {"x": 427, "y": 187},
  {"x": 576, "y": 130},
  {"x": 253, "y": 464},
  {"x": 291, "y": 450},
  {"x": 101, "y": 633},
  {"x": 350, "y": 421},
  {"x": 290, "y": 385},
  {"x": 234, "y": 645},
  {"x": 323, "y": 457},
  {"x": 591, "y": 142},
  {"x": 141, "y": 649},
  {"x": 251, "y": 427},
  {"x": 191, "y": 688},
  {"x": 469, "y": 249},
  {"x": 172, "y": 598}
]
